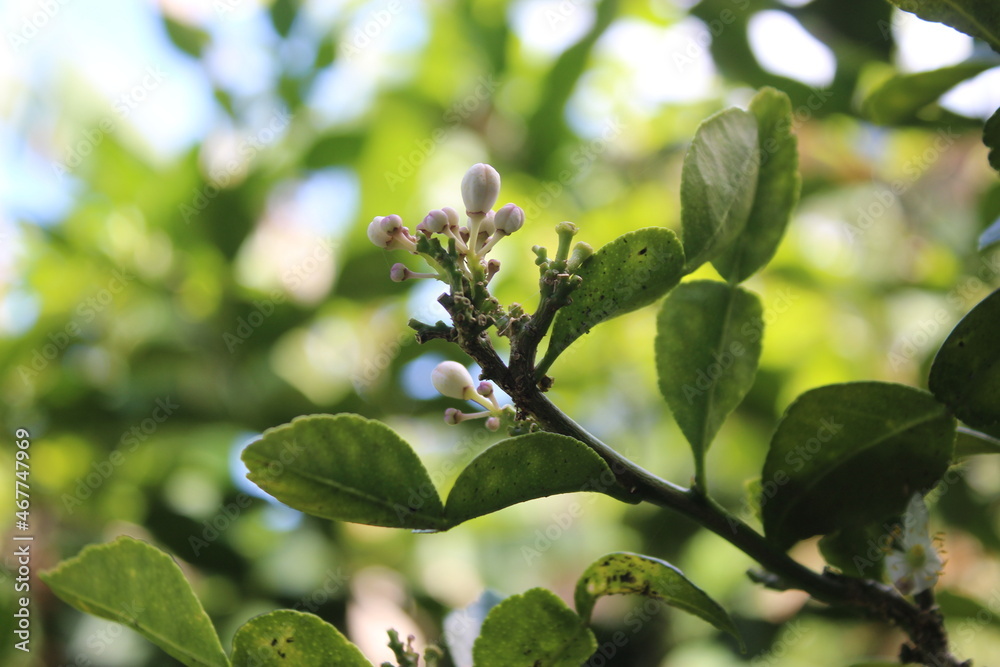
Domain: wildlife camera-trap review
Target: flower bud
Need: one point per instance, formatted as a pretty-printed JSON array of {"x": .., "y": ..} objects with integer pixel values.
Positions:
[
  {"x": 453, "y": 217},
  {"x": 452, "y": 416},
  {"x": 509, "y": 218},
  {"x": 480, "y": 189},
  {"x": 487, "y": 226},
  {"x": 485, "y": 389},
  {"x": 376, "y": 234},
  {"x": 434, "y": 222},
  {"x": 493, "y": 424},
  {"x": 452, "y": 380},
  {"x": 398, "y": 273}
]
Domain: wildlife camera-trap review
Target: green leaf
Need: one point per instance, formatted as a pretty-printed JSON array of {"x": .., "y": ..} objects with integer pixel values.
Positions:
[
  {"x": 189, "y": 39},
  {"x": 900, "y": 97},
  {"x": 969, "y": 442},
  {"x": 524, "y": 468},
  {"x": 991, "y": 137},
  {"x": 992, "y": 234},
  {"x": 285, "y": 637},
  {"x": 718, "y": 182},
  {"x": 965, "y": 374},
  {"x": 852, "y": 454},
  {"x": 137, "y": 585},
  {"x": 348, "y": 468},
  {"x": 632, "y": 271},
  {"x": 979, "y": 18},
  {"x": 626, "y": 573},
  {"x": 535, "y": 629},
  {"x": 708, "y": 341},
  {"x": 857, "y": 550},
  {"x": 283, "y": 15},
  {"x": 778, "y": 185}
]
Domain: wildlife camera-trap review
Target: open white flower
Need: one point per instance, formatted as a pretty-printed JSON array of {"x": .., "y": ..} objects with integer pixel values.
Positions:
[{"x": 914, "y": 564}]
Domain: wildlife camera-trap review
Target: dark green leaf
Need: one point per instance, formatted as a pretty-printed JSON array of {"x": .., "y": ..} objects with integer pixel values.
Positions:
[
  {"x": 979, "y": 18},
  {"x": 626, "y": 573},
  {"x": 348, "y": 468},
  {"x": 285, "y": 637},
  {"x": 857, "y": 551},
  {"x": 852, "y": 454},
  {"x": 535, "y": 629},
  {"x": 965, "y": 374},
  {"x": 991, "y": 137},
  {"x": 632, "y": 271},
  {"x": 778, "y": 185},
  {"x": 969, "y": 442},
  {"x": 718, "y": 183},
  {"x": 524, "y": 468},
  {"x": 708, "y": 341},
  {"x": 334, "y": 149},
  {"x": 283, "y": 15},
  {"x": 189, "y": 39},
  {"x": 133, "y": 583},
  {"x": 990, "y": 236},
  {"x": 900, "y": 97},
  {"x": 957, "y": 607}
]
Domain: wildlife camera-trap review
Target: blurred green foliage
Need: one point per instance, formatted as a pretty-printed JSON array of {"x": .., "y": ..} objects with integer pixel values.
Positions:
[{"x": 187, "y": 299}]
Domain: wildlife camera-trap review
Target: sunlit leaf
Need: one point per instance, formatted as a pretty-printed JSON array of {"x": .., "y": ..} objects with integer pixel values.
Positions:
[
  {"x": 133, "y": 583},
  {"x": 965, "y": 374},
  {"x": 524, "y": 468},
  {"x": 979, "y": 18},
  {"x": 900, "y": 97},
  {"x": 632, "y": 271},
  {"x": 778, "y": 185},
  {"x": 283, "y": 15},
  {"x": 334, "y": 149},
  {"x": 708, "y": 343},
  {"x": 348, "y": 468},
  {"x": 286, "y": 637},
  {"x": 189, "y": 39},
  {"x": 534, "y": 629},
  {"x": 718, "y": 183},
  {"x": 626, "y": 573},
  {"x": 852, "y": 454}
]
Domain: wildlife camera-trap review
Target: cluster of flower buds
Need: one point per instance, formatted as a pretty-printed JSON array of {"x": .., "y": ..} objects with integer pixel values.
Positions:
[
  {"x": 453, "y": 380},
  {"x": 473, "y": 241}
]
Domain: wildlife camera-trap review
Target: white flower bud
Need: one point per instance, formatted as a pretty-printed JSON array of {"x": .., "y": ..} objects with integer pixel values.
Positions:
[
  {"x": 434, "y": 222},
  {"x": 487, "y": 226},
  {"x": 452, "y": 380},
  {"x": 480, "y": 188},
  {"x": 398, "y": 273},
  {"x": 453, "y": 217},
  {"x": 378, "y": 235},
  {"x": 509, "y": 218}
]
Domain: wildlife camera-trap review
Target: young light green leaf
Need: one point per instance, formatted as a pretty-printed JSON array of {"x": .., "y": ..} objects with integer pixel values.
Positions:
[
  {"x": 708, "y": 341},
  {"x": 965, "y": 374},
  {"x": 626, "y": 573},
  {"x": 778, "y": 185},
  {"x": 632, "y": 271},
  {"x": 348, "y": 468},
  {"x": 900, "y": 97},
  {"x": 979, "y": 18},
  {"x": 852, "y": 454},
  {"x": 969, "y": 442},
  {"x": 286, "y": 637},
  {"x": 137, "y": 585},
  {"x": 524, "y": 468},
  {"x": 991, "y": 137},
  {"x": 534, "y": 629},
  {"x": 718, "y": 183}
]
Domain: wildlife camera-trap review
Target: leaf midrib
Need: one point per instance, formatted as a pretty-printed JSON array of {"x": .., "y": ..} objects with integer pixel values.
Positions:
[{"x": 807, "y": 488}]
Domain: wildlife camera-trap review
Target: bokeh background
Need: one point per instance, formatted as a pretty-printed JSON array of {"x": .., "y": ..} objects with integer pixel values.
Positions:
[{"x": 184, "y": 191}]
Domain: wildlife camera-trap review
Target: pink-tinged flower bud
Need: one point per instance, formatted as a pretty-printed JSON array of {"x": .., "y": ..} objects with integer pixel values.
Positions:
[
  {"x": 493, "y": 424},
  {"x": 487, "y": 226},
  {"x": 434, "y": 222},
  {"x": 452, "y": 380},
  {"x": 453, "y": 416},
  {"x": 509, "y": 218},
  {"x": 453, "y": 218},
  {"x": 480, "y": 189},
  {"x": 485, "y": 389},
  {"x": 398, "y": 273}
]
